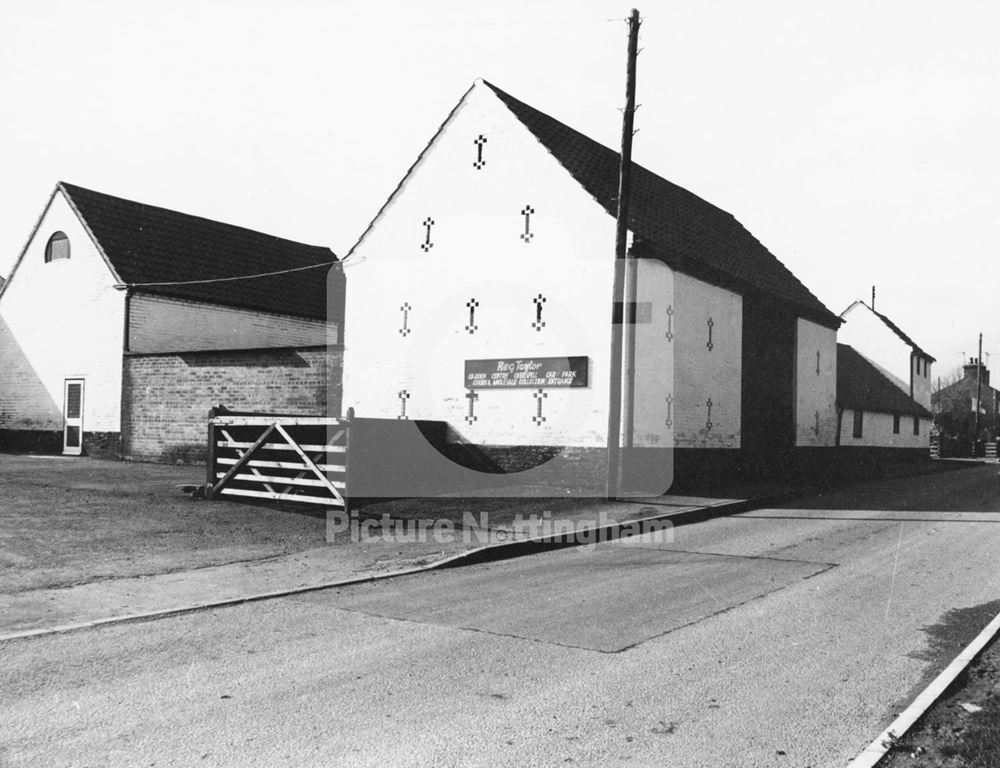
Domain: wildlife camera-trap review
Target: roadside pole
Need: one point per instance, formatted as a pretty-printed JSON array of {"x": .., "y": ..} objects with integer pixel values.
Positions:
[
  {"x": 619, "y": 310},
  {"x": 979, "y": 392}
]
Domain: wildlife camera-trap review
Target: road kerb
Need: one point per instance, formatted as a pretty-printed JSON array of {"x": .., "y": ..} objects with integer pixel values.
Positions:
[
  {"x": 485, "y": 554},
  {"x": 878, "y": 749},
  {"x": 159, "y": 614},
  {"x": 532, "y": 545}
]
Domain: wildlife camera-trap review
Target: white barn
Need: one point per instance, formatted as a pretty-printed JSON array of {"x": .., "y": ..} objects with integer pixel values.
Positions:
[
  {"x": 120, "y": 327},
  {"x": 492, "y": 264}
]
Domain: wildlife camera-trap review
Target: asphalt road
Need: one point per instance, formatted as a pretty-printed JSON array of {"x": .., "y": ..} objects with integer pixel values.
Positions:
[{"x": 784, "y": 637}]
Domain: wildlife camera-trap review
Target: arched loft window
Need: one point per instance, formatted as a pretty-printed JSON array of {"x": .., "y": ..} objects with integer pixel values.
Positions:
[{"x": 57, "y": 247}]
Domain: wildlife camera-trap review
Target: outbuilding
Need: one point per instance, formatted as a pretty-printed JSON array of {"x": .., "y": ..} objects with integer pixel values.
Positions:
[
  {"x": 874, "y": 413},
  {"x": 121, "y": 324}
]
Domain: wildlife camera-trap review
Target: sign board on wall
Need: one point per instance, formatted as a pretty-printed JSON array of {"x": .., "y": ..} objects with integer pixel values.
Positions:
[{"x": 526, "y": 372}]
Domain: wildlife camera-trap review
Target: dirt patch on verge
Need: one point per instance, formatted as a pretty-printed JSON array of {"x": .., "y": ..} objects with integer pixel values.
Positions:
[{"x": 962, "y": 729}]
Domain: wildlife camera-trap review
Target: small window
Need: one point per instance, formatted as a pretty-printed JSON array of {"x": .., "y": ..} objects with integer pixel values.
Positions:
[
  {"x": 895, "y": 423},
  {"x": 859, "y": 420},
  {"x": 57, "y": 247},
  {"x": 916, "y": 425}
]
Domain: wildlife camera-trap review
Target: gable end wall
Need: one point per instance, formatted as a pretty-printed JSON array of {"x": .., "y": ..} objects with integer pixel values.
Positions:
[{"x": 57, "y": 321}]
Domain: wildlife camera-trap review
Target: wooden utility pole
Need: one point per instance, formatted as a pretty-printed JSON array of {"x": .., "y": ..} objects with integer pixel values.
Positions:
[
  {"x": 620, "y": 313},
  {"x": 979, "y": 391}
]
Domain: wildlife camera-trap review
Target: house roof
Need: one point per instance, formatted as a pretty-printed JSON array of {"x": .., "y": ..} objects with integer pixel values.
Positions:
[
  {"x": 670, "y": 223},
  {"x": 862, "y": 386},
  {"x": 146, "y": 244},
  {"x": 965, "y": 386},
  {"x": 892, "y": 327}
]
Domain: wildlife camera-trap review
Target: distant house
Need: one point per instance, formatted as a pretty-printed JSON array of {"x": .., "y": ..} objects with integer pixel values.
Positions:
[
  {"x": 955, "y": 405},
  {"x": 883, "y": 342},
  {"x": 872, "y": 410},
  {"x": 494, "y": 258},
  {"x": 121, "y": 325}
]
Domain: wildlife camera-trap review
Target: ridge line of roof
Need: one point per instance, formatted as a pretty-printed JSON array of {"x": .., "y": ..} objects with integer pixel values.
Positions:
[
  {"x": 160, "y": 250},
  {"x": 68, "y": 187},
  {"x": 500, "y": 92}
]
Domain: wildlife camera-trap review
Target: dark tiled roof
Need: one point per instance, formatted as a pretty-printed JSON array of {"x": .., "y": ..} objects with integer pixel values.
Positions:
[
  {"x": 861, "y": 386},
  {"x": 669, "y": 222},
  {"x": 146, "y": 244}
]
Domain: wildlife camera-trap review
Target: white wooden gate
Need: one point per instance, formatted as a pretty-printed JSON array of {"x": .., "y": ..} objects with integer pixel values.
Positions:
[
  {"x": 300, "y": 459},
  {"x": 935, "y": 446}
]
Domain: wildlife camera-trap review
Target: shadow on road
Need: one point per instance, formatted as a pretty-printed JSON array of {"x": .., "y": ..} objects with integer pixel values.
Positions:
[{"x": 975, "y": 489}]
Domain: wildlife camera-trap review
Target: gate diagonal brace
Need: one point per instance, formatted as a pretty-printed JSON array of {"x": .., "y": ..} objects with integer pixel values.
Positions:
[
  {"x": 316, "y": 459},
  {"x": 243, "y": 459},
  {"x": 309, "y": 463},
  {"x": 241, "y": 454}
]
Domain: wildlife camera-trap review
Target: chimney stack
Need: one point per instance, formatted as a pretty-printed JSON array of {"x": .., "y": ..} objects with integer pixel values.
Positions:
[{"x": 972, "y": 366}]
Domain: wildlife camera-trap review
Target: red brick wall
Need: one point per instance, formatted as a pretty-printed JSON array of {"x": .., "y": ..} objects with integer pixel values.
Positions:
[{"x": 166, "y": 397}]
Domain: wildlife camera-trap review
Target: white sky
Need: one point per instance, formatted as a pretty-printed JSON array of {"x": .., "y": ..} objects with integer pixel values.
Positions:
[{"x": 857, "y": 140}]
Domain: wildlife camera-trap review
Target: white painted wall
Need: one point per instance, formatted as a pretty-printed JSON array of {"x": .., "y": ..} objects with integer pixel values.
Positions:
[
  {"x": 877, "y": 431},
  {"x": 655, "y": 407},
  {"x": 57, "y": 321},
  {"x": 921, "y": 377},
  {"x": 162, "y": 324},
  {"x": 704, "y": 374},
  {"x": 866, "y": 332},
  {"x": 815, "y": 385},
  {"x": 478, "y": 253}
]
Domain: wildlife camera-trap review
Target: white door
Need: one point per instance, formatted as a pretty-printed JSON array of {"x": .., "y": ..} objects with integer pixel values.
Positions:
[{"x": 73, "y": 417}]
